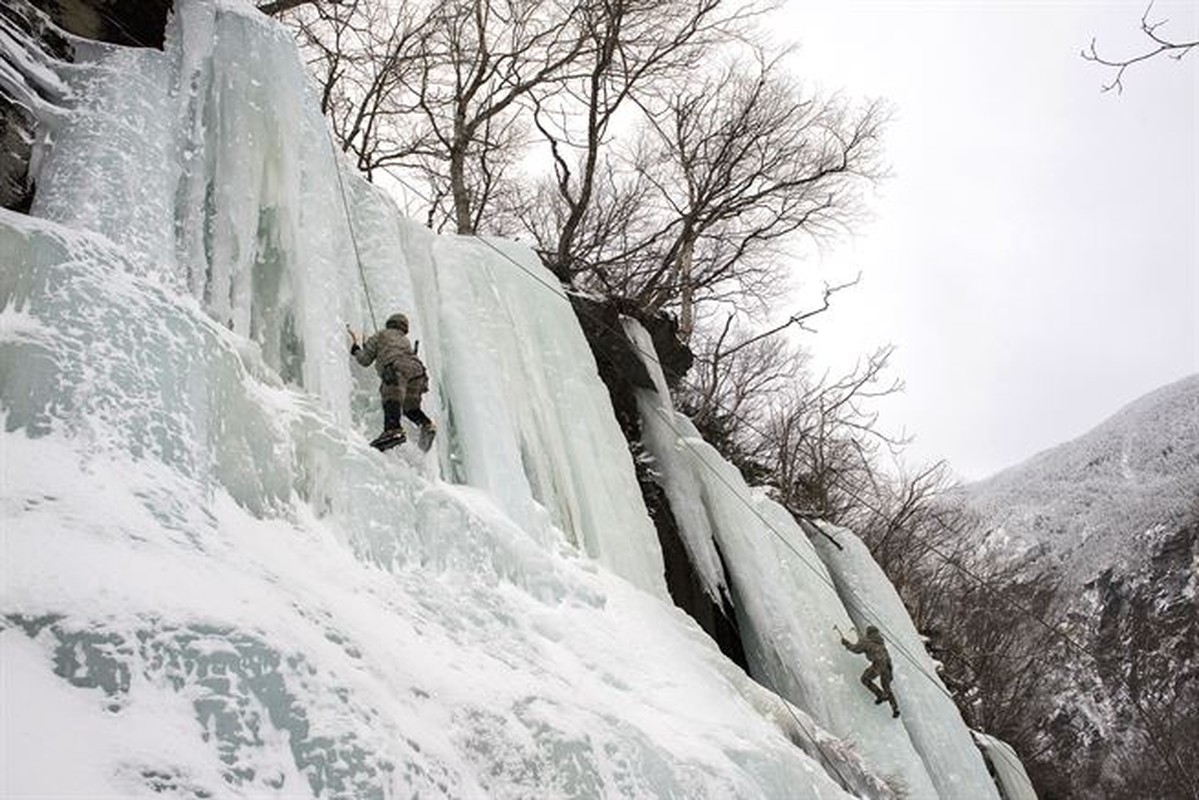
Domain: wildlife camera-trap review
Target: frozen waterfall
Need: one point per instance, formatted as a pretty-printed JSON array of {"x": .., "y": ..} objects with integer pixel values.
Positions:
[
  {"x": 790, "y": 631},
  {"x": 211, "y": 584}
]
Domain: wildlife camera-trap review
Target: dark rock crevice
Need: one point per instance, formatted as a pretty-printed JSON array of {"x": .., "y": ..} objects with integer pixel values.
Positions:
[
  {"x": 30, "y": 36},
  {"x": 17, "y": 128},
  {"x": 132, "y": 24},
  {"x": 623, "y": 372}
]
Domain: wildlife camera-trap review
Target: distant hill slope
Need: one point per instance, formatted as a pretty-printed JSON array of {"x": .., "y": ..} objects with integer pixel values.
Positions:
[
  {"x": 1116, "y": 511},
  {"x": 1085, "y": 503}
]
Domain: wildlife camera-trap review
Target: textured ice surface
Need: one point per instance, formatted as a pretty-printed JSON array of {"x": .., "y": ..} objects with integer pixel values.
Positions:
[
  {"x": 932, "y": 720},
  {"x": 789, "y": 630},
  {"x": 212, "y": 585},
  {"x": 1010, "y": 775}
]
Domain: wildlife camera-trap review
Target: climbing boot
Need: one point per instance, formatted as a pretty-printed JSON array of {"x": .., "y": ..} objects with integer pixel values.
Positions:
[
  {"x": 427, "y": 432},
  {"x": 389, "y": 438}
]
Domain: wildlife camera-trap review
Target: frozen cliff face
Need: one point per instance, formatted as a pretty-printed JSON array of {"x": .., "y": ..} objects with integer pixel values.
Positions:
[
  {"x": 212, "y": 586},
  {"x": 1005, "y": 764},
  {"x": 742, "y": 542}
]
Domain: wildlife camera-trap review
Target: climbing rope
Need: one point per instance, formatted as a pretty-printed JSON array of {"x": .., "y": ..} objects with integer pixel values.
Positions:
[
  {"x": 345, "y": 207},
  {"x": 866, "y": 610},
  {"x": 869, "y": 613}
]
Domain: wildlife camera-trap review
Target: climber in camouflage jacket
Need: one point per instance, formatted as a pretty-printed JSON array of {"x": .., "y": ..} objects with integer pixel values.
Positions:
[
  {"x": 402, "y": 376},
  {"x": 880, "y": 666}
]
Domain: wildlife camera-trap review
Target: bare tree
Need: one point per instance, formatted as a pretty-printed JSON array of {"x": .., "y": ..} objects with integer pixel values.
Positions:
[
  {"x": 740, "y": 380},
  {"x": 692, "y": 209},
  {"x": 797, "y": 320},
  {"x": 363, "y": 54},
  {"x": 746, "y": 160},
  {"x": 826, "y": 443},
  {"x": 730, "y": 399},
  {"x": 633, "y": 46},
  {"x": 613, "y": 231},
  {"x": 484, "y": 58},
  {"x": 435, "y": 89},
  {"x": 898, "y": 520},
  {"x": 727, "y": 167},
  {"x": 1158, "y": 45},
  {"x": 814, "y": 442},
  {"x": 997, "y": 660}
]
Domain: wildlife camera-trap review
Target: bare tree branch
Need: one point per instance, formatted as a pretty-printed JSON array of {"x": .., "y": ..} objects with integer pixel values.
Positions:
[
  {"x": 1170, "y": 48},
  {"x": 795, "y": 319},
  {"x": 279, "y": 6}
]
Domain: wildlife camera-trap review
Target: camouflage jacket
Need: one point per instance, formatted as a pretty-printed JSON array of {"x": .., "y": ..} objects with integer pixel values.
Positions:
[
  {"x": 395, "y": 361},
  {"x": 873, "y": 647}
]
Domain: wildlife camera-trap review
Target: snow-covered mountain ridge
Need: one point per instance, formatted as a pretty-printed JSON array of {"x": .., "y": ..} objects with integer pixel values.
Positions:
[
  {"x": 1114, "y": 514},
  {"x": 1086, "y": 504},
  {"x": 213, "y": 587}
]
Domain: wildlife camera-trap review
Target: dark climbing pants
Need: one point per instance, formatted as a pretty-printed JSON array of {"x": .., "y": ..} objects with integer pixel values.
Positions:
[
  {"x": 883, "y": 673},
  {"x": 884, "y": 676},
  {"x": 393, "y": 410}
]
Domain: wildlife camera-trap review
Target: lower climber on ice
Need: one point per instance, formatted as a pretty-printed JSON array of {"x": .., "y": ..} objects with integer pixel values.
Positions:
[
  {"x": 880, "y": 666},
  {"x": 403, "y": 380}
]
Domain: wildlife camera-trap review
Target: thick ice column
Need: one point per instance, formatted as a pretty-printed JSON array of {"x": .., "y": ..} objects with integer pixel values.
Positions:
[
  {"x": 933, "y": 721},
  {"x": 208, "y": 163},
  {"x": 531, "y": 422},
  {"x": 112, "y": 169},
  {"x": 784, "y": 598},
  {"x": 263, "y": 236},
  {"x": 1013, "y": 781}
]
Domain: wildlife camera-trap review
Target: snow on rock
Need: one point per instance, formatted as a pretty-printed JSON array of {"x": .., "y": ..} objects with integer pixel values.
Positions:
[
  {"x": 1090, "y": 503},
  {"x": 1114, "y": 516}
]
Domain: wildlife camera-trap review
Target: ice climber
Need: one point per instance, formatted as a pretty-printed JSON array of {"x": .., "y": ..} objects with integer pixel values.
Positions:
[
  {"x": 880, "y": 666},
  {"x": 403, "y": 381}
]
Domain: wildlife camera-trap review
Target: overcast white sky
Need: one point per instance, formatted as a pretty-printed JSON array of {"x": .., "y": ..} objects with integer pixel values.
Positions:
[{"x": 1035, "y": 257}]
